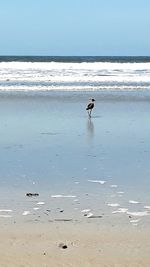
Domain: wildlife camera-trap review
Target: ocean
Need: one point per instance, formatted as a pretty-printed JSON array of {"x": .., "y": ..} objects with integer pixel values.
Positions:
[{"x": 42, "y": 74}]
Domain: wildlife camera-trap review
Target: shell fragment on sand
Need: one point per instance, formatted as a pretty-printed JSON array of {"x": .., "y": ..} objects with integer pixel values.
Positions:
[
  {"x": 89, "y": 215},
  {"x": 97, "y": 181}
]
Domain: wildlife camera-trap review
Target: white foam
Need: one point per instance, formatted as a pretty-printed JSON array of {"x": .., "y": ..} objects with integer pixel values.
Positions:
[
  {"x": 40, "y": 203},
  {"x": 120, "y": 192},
  {"x": 113, "y": 204},
  {"x": 113, "y": 195},
  {"x": 100, "y": 74},
  {"x": 134, "y": 221},
  {"x": 114, "y": 185},
  {"x": 147, "y": 207},
  {"x": 85, "y": 210},
  {"x": 3, "y": 210},
  {"x": 5, "y": 216},
  {"x": 26, "y": 212},
  {"x": 63, "y": 196},
  {"x": 120, "y": 210},
  {"x": 139, "y": 213},
  {"x": 36, "y": 208},
  {"x": 97, "y": 181},
  {"x": 133, "y": 202}
]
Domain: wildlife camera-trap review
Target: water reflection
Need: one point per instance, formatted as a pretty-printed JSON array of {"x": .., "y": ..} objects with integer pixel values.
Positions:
[{"x": 90, "y": 129}]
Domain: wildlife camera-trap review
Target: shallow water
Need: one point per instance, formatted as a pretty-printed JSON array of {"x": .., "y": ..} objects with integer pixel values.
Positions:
[{"x": 50, "y": 146}]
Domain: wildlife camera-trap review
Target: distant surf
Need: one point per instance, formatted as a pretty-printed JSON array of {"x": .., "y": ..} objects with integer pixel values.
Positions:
[{"x": 74, "y": 73}]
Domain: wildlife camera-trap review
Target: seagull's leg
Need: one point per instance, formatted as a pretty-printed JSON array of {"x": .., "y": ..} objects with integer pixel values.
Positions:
[{"x": 90, "y": 113}]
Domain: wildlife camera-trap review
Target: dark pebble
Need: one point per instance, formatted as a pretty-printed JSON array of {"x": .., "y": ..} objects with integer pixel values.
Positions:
[{"x": 63, "y": 246}]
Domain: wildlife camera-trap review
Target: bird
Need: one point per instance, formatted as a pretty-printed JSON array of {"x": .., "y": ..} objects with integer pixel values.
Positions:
[{"x": 90, "y": 106}]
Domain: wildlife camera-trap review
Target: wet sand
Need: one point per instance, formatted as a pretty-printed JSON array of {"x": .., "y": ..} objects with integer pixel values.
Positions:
[{"x": 92, "y": 177}]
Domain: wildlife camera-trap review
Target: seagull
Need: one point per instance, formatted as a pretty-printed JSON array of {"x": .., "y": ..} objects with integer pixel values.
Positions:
[{"x": 90, "y": 106}]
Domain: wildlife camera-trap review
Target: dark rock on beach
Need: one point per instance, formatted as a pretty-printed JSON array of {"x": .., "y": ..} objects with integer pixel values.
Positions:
[{"x": 32, "y": 194}]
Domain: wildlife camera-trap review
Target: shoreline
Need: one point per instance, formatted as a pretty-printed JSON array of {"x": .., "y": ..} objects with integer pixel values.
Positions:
[{"x": 73, "y": 95}]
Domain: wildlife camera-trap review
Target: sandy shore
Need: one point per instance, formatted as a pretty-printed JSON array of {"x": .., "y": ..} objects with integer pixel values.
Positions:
[
  {"x": 49, "y": 146},
  {"x": 38, "y": 244}
]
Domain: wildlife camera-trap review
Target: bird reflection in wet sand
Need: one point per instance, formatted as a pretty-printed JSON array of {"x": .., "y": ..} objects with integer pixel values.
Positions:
[{"x": 90, "y": 128}]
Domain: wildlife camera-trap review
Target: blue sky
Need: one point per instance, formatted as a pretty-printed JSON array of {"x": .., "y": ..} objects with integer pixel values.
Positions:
[{"x": 75, "y": 27}]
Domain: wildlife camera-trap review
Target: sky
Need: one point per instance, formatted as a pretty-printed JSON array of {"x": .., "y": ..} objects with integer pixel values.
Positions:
[{"x": 75, "y": 27}]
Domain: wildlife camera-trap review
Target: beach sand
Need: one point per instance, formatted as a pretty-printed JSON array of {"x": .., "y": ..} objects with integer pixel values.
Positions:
[
  {"x": 37, "y": 244},
  {"x": 50, "y": 147}
]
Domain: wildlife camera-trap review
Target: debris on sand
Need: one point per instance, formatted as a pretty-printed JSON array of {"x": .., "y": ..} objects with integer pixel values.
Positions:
[{"x": 32, "y": 194}]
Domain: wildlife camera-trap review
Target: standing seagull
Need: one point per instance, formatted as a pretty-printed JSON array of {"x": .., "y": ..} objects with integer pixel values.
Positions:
[{"x": 90, "y": 106}]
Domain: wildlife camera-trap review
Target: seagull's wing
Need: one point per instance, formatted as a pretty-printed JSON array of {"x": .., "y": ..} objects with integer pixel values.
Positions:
[{"x": 90, "y": 106}]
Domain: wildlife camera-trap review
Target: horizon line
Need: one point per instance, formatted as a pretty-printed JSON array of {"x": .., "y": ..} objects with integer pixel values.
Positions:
[{"x": 73, "y": 56}]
